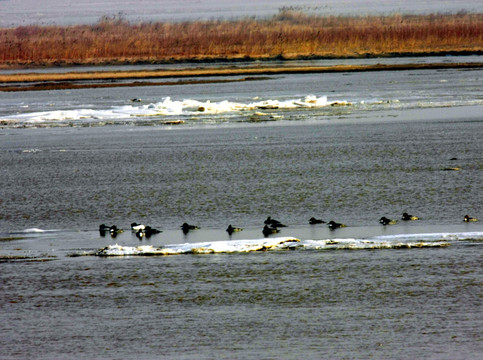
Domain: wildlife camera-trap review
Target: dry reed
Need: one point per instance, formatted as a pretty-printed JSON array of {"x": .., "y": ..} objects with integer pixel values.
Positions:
[{"x": 288, "y": 34}]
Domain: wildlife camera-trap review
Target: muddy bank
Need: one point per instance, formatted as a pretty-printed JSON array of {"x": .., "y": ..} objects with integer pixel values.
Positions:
[{"x": 95, "y": 79}]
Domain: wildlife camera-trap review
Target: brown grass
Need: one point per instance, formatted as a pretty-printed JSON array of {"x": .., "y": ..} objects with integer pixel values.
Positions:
[{"x": 288, "y": 34}]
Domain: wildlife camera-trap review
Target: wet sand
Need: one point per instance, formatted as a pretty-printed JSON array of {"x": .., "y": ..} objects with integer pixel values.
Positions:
[{"x": 95, "y": 79}]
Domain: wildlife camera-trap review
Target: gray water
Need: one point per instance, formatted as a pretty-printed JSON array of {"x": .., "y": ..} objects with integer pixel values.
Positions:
[
  {"x": 405, "y": 141},
  {"x": 350, "y": 171},
  {"x": 67, "y": 12},
  {"x": 316, "y": 305}
]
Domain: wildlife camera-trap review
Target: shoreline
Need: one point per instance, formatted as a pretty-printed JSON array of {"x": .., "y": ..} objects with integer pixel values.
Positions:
[
  {"x": 229, "y": 59},
  {"x": 36, "y": 81},
  {"x": 288, "y": 35}
]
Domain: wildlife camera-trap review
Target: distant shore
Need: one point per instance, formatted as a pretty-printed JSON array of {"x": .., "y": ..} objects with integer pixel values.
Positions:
[
  {"x": 289, "y": 35},
  {"x": 231, "y": 47},
  {"x": 33, "y": 81},
  {"x": 234, "y": 60}
]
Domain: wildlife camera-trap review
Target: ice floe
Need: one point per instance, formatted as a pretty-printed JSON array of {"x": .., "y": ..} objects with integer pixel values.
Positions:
[
  {"x": 400, "y": 241},
  {"x": 238, "y": 246},
  {"x": 168, "y": 107}
]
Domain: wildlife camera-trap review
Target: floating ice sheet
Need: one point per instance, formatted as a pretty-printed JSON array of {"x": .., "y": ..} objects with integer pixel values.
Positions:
[
  {"x": 168, "y": 107},
  {"x": 238, "y": 246},
  {"x": 400, "y": 241}
]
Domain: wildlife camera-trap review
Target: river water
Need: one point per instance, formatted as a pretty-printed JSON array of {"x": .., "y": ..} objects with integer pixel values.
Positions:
[
  {"x": 68, "y": 12},
  {"x": 349, "y": 147}
]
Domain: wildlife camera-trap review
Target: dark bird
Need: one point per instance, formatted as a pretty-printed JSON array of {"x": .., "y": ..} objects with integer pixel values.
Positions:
[
  {"x": 333, "y": 225},
  {"x": 385, "y": 221},
  {"x": 267, "y": 230},
  {"x": 407, "y": 217},
  {"x": 115, "y": 231},
  {"x": 468, "y": 218},
  {"x": 186, "y": 227},
  {"x": 103, "y": 228},
  {"x": 147, "y": 232},
  {"x": 136, "y": 226},
  {"x": 230, "y": 229},
  {"x": 273, "y": 223},
  {"x": 313, "y": 221}
]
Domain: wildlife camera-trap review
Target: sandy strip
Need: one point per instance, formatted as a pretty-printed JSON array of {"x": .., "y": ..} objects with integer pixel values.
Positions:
[
  {"x": 63, "y": 85},
  {"x": 62, "y": 79}
]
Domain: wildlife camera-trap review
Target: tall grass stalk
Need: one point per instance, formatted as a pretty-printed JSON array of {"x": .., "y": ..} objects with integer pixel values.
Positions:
[{"x": 289, "y": 34}]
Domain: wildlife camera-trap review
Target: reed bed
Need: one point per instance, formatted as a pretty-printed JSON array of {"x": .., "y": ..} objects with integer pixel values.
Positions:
[{"x": 287, "y": 35}]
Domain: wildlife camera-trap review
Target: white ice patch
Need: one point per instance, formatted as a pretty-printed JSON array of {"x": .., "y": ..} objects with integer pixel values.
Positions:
[
  {"x": 191, "y": 107},
  {"x": 400, "y": 241},
  {"x": 397, "y": 241},
  {"x": 359, "y": 244},
  {"x": 35, "y": 230},
  {"x": 238, "y": 246},
  {"x": 168, "y": 107},
  {"x": 431, "y": 236}
]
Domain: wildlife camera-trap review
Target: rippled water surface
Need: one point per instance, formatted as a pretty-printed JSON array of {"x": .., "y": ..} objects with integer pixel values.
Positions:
[
  {"x": 349, "y": 304},
  {"x": 383, "y": 144},
  {"x": 350, "y": 171}
]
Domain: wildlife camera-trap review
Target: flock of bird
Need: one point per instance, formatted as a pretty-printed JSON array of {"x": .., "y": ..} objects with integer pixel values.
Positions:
[
  {"x": 140, "y": 230},
  {"x": 271, "y": 226}
]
